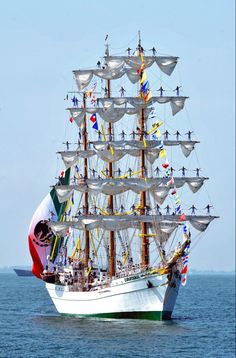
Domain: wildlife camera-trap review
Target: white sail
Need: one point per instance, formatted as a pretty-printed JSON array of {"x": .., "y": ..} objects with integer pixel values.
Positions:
[
  {"x": 157, "y": 186},
  {"x": 186, "y": 146},
  {"x": 119, "y": 150},
  {"x": 116, "y": 68},
  {"x": 112, "y": 222},
  {"x": 165, "y": 63},
  {"x": 176, "y": 102},
  {"x": 108, "y": 114},
  {"x": 164, "y": 223}
]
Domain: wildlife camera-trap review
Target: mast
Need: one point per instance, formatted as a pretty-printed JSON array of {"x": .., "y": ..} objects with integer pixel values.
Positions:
[
  {"x": 110, "y": 198},
  {"x": 145, "y": 241},
  {"x": 84, "y": 135}
]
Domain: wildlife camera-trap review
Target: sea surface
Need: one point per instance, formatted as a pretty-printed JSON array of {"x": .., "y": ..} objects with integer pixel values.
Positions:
[{"x": 203, "y": 324}]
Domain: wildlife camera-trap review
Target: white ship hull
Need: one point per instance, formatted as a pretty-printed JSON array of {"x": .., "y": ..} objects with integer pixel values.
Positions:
[{"x": 149, "y": 297}]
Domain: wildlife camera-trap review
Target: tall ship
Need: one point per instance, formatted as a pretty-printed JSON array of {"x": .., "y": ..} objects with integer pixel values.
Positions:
[{"x": 112, "y": 238}]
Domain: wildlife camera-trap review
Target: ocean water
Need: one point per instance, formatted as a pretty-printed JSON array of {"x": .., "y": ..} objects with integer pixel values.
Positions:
[{"x": 203, "y": 324}]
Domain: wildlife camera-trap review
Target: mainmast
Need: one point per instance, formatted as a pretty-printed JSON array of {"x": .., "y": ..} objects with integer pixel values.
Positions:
[
  {"x": 145, "y": 241},
  {"x": 86, "y": 209},
  {"x": 110, "y": 198}
]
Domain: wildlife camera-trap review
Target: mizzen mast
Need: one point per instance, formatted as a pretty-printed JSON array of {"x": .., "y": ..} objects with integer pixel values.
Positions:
[{"x": 86, "y": 208}]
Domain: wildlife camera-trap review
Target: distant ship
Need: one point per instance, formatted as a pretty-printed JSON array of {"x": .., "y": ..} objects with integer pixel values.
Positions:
[
  {"x": 101, "y": 240},
  {"x": 21, "y": 272}
]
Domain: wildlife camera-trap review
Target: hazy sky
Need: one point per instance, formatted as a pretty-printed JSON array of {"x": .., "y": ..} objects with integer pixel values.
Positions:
[{"x": 42, "y": 41}]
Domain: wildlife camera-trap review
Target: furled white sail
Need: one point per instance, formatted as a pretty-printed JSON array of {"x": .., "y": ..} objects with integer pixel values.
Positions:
[
  {"x": 200, "y": 223},
  {"x": 160, "y": 194},
  {"x": 109, "y": 74},
  {"x": 108, "y": 113},
  {"x": 122, "y": 222},
  {"x": 187, "y": 147},
  {"x": 165, "y": 63},
  {"x": 114, "y": 222},
  {"x": 107, "y": 154},
  {"x": 83, "y": 78},
  {"x": 115, "y": 68},
  {"x": 114, "y": 151},
  {"x": 157, "y": 186},
  {"x": 176, "y": 102},
  {"x": 132, "y": 75}
]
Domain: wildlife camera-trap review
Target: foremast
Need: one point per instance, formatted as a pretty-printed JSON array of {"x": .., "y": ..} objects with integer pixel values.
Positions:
[
  {"x": 112, "y": 250},
  {"x": 144, "y": 230}
]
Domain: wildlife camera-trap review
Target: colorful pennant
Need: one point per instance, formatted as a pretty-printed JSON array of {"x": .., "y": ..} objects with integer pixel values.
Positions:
[{"x": 93, "y": 119}]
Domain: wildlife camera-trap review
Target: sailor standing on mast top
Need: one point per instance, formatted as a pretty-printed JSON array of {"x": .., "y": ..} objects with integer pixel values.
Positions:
[
  {"x": 122, "y": 134},
  {"x": 118, "y": 171},
  {"x": 67, "y": 145},
  {"x": 153, "y": 51},
  {"x": 183, "y": 169},
  {"x": 177, "y": 133},
  {"x": 130, "y": 171},
  {"x": 122, "y": 91},
  {"x": 166, "y": 134},
  {"x": 106, "y": 172},
  {"x": 133, "y": 134},
  {"x": 197, "y": 170},
  {"x": 167, "y": 209},
  {"x": 140, "y": 48},
  {"x": 93, "y": 172},
  {"x": 128, "y": 51},
  {"x": 189, "y": 134},
  {"x": 161, "y": 90},
  {"x": 208, "y": 208},
  {"x": 172, "y": 170},
  {"x": 158, "y": 210},
  {"x": 177, "y": 90},
  {"x": 132, "y": 208},
  {"x": 75, "y": 101},
  {"x": 122, "y": 209},
  {"x": 105, "y": 92},
  {"x": 193, "y": 208},
  {"x": 99, "y": 135},
  {"x": 157, "y": 171}
]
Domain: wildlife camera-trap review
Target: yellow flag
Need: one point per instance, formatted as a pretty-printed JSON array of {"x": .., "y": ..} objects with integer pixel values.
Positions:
[
  {"x": 145, "y": 143},
  {"x": 157, "y": 133},
  {"x": 157, "y": 124},
  {"x": 141, "y": 56},
  {"x": 125, "y": 258},
  {"x": 112, "y": 150},
  {"x": 76, "y": 249},
  {"x": 88, "y": 271},
  {"x": 103, "y": 134},
  {"x": 144, "y": 77},
  {"x": 162, "y": 153}
]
